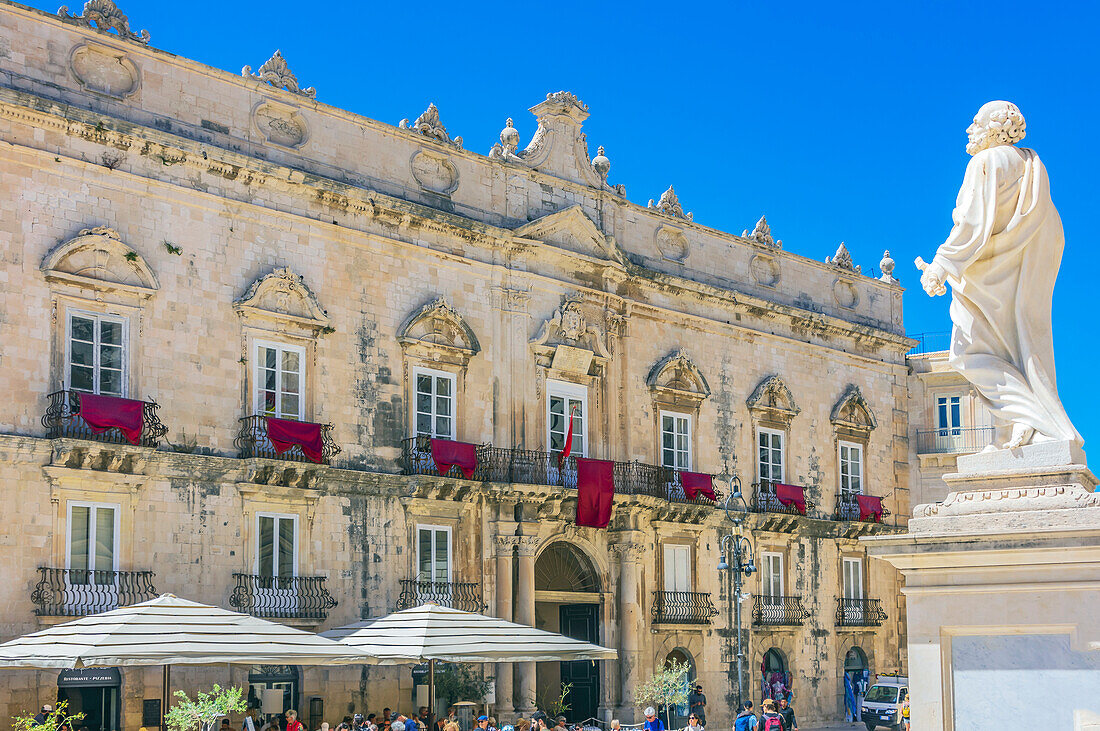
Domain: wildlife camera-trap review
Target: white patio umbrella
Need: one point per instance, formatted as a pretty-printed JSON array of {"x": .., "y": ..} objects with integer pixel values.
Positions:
[{"x": 432, "y": 632}]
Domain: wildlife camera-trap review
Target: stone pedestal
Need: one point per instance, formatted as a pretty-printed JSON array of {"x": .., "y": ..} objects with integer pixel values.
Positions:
[{"x": 1002, "y": 585}]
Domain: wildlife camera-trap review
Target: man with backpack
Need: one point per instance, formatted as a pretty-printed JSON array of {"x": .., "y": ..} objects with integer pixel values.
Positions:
[
  {"x": 746, "y": 719},
  {"x": 771, "y": 720}
]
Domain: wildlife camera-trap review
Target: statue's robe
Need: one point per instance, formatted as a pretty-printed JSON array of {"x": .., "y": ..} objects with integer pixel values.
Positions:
[{"x": 1002, "y": 259}]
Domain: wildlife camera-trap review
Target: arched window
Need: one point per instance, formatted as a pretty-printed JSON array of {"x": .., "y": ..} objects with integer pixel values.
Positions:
[
  {"x": 679, "y": 714},
  {"x": 562, "y": 567}
]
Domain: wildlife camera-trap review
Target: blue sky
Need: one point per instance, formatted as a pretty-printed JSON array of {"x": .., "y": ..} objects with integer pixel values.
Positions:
[{"x": 840, "y": 121}]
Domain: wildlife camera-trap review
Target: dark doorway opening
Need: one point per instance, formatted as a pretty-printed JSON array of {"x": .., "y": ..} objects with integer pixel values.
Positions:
[
  {"x": 93, "y": 692},
  {"x": 581, "y": 622}
]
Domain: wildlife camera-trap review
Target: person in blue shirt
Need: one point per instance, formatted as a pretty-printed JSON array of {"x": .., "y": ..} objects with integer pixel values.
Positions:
[
  {"x": 746, "y": 719},
  {"x": 652, "y": 723}
]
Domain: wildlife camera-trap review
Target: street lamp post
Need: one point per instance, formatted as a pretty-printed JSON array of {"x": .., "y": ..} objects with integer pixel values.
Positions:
[{"x": 738, "y": 547}]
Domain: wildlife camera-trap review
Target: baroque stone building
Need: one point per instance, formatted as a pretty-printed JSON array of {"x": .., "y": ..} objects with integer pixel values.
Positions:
[{"x": 228, "y": 251}]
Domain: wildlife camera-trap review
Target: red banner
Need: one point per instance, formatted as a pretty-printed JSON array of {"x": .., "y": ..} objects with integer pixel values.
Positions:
[
  {"x": 285, "y": 434},
  {"x": 869, "y": 506},
  {"x": 110, "y": 412},
  {"x": 446, "y": 454},
  {"x": 696, "y": 484},
  {"x": 792, "y": 495},
  {"x": 595, "y": 492}
]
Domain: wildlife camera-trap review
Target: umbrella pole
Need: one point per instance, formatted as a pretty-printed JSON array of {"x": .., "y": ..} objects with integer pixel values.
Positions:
[
  {"x": 165, "y": 692},
  {"x": 431, "y": 695}
]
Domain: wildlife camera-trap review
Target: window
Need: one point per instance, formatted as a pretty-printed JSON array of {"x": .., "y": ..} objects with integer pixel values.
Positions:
[
  {"x": 435, "y": 403},
  {"x": 277, "y": 546},
  {"x": 565, "y": 399},
  {"x": 433, "y": 553},
  {"x": 770, "y": 452},
  {"x": 96, "y": 354},
  {"x": 948, "y": 415},
  {"x": 675, "y": 440},
  {"x": 677, "y": 567},
  {"x": 93, "y": 530},
  {"x": 853, "y": 578},
  {"x": 771, "y": 575},
  {"x": 851, "y": 468},
  {"x": 280, "y": 374}
]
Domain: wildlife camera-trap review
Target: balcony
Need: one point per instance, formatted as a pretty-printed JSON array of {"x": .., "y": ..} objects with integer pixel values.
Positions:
[
  {"x": 954, "y": 441},
  {"x": 453, "y": 594},
  {"x": 859, "y": 613},
  {"x": 253, "y": 441},
  {"x": 276, "y": 597},
  {"x": 848, "y": 509},
  {"x": 682, "y": 607},
  {"x": 63, "y": 420},
  {"x": 765, "y": 500},
  {"x": 534, "y": 467},
  {"x": 778, "y": 611},
  {"x": 80, "y": 592}
]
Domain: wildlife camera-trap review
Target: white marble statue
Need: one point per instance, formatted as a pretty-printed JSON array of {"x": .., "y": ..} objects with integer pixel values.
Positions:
[{"x": 1001, "y": 261}]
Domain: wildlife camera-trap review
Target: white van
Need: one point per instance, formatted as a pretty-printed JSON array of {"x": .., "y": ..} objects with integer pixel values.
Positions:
[{"x": 882, "y": 704}]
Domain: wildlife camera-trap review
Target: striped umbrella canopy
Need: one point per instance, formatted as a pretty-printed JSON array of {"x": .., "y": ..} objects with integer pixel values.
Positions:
[
  {"x": 433, "y": 632},
  {"x": 173, "y": 631}
]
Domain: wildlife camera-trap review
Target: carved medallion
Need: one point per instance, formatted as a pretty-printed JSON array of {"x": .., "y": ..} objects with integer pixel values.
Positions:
[
  {"x": 765, "y": 270},
  {"x": 280, "y": 124},
  {"x": 434, "y": 172},
  {"x": 672, "y": 243},
  {"x": 104, "y": 70},
  {"x": 846, "y": 294}
]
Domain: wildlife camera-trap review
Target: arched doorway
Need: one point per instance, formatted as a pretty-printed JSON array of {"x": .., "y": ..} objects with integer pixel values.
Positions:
[
  {"x": 678, "y": 715},
  {"x": 857, "y": 678},
  {"x": 567, "y": 600},
  {"x": 775, "y": 676},
  {"x": 273, "y": 689}
]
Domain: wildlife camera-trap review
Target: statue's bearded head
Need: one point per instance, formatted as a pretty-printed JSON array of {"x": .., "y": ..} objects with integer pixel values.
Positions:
[{"x": 996, "y": 123}]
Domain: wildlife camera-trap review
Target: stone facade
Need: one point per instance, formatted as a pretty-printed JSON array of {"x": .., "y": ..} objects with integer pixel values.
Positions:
[{"x": 214, "y": 219}]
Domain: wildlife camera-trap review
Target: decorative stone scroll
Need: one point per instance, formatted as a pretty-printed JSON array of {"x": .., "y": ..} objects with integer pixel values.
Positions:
[
  {"x": 283, "y": 296},
  {"x": 853, "y": 414},
  {"x": 672, "y": 243},
  {"x": 107, "y": 17},
  {"x": 765, "y": 269},
  {"x": 438, "y": 332},
  {"x": 97, "y": 259},
  {"x": 669, "y": 205},
  {"x": 560, "y": 148},
  {"x": 280, "y": 124},
  {"x": 429, "y": 125},
  {"x": 677, "y": 381},
  {"x": 276, "y": 72},
  {"x": 434, "y": 172},
  {"x": 772, "y": 401},
  {"x": 842, "y": 259},
  {"x": 104, "y": 70},
  {"x": 762, "y": 234}
]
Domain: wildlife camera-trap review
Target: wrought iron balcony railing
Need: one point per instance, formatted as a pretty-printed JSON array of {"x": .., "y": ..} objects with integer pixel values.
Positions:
[
  {"x": 416, "y": 459},
  {"x": 859, "y": 613},
  {"x": 682, "y": 607},
  {"x": 784, "y": 611},
  {"x": 847, "y": 509},
  {"x": 62, "y": 420},
  {"x": 764, "y": 500},
  {"x": 453, "y": 594},
  {"x": 954, "y": 441},
  {"x": 252, "y": 441},
  {"x": 282, "y": 597},
  {"x": 79, "y": 592}
]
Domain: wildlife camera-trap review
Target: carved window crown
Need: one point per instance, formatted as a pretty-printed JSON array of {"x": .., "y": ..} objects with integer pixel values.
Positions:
[
  {"x": 97, "y": 259},
  {"x": 772, "y": 401},
  {"x": 439, "y": 331},
  {"x": 677, "y": 380},
  {"x": 853, "y": 414},
  {"x": 282, "y": 296}
]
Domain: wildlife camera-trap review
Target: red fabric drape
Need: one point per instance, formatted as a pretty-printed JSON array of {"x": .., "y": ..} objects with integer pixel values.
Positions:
[
  {"x": 696, "y": 484},
  {"x": 564, "y": 455},
  {"x": 110, "y": 412},
  {"x": 595, "y": 492},
  {"x": 869, "y": 506},
  {"x": 792, "y": 495},
  {"x": 446, "y": 454},
  {"x": 284, "y": 434}
]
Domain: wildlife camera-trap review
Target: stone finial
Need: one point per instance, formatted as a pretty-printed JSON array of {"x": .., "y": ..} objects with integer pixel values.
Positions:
[
  {"x": 509, "y": 143},
  {"x": 429, "y": 125},
  {"x": 600, "y": 163},
  {"x": 887, "y": 267},
  {"x": 106, "y": 16},
  {"x": 842, "y": 259},
  {"x": 669, "y": 204},
  {"x": 276, "y": 72},
  {"x": 762, "y": 234}
]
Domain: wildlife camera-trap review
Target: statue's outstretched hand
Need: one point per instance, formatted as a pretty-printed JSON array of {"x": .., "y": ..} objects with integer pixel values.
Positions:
[{"x": 932, "y": 280}]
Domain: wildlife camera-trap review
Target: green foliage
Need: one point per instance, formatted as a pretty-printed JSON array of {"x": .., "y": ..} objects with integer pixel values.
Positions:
[
  {"x": 131, "y": 256},
  {"x": 172, "y": 249},
  {"x": 460, "y": 682},
  {"x": 667, "y": 687},
  {"x": 202, "y": 713},
  {"x": 54, "y": 721},
  {"x": 555, "y": 705}
]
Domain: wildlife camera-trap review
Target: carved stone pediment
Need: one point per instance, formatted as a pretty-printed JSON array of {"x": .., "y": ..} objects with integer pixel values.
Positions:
[
  {"x": 573, "y": 230},
  {"x": 559, "y": 147},
  {"x": 97, "y": 259},
  {"x": 677, "y": 380},
  {"x": 438, "y": 331},
  {"x": 853, "y": 413},
  {"x": 772, "y": 401},
  {"x": 276, "y": 71},
  {"x": 283, "y": 296},
  {"x": 567, "y": 332}
]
